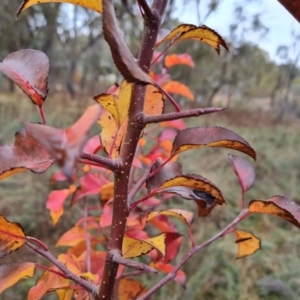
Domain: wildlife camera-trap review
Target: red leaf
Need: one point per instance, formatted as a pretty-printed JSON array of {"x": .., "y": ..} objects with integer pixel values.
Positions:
[
  {"x": 243, "y": 170},
  {"x": 29, "y": 70},
  {"x": 65, "y": 145},
  {"x": 24, "y": 154},
  {"x": 92, "y": 145}
]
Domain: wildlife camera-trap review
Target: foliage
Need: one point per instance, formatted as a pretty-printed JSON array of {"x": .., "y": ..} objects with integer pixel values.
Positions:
[{"x": 138, "y": 175}]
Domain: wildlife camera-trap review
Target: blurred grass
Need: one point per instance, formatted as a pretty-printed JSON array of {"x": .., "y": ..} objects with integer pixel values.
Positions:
[{"x": 272, "y": 273}]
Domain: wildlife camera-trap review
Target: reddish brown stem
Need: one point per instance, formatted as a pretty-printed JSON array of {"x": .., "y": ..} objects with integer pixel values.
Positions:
[
  {"x": 129, "y": 145},
  {"x": 172, "y": 275},
  {"x": 41, "y": 110},
  {"x": 50, "y": 270},
  {"x": 40, "y": 243},
  {"x": 111, "y": 164}
]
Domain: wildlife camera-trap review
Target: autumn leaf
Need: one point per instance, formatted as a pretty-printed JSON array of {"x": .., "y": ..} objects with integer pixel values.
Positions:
[
  {"x": 194, "y": 187},
  {"x": 65, "y": 144},
  {"x": 176, "y": 87},
  {"x": 56, "y": 201},
  {"x": 10, "y": 274},
  {"x": 12, "y": 236},
  {"x": 199, "y": 137},
  {"x": 24, "y": 154},
  {"x": 279, "y": 206},
  {"x": 167, "y": 268},
  {"x": 179, "y": 59},
  {"x": 107, "y": 192},
  {"x": 134, "y": 247},
  {"x": 129, "y": 289},
  {"x": 47, "y": 283},
  {"x": 183, "y": 215},
  {"x": 154, "y": 101},
  {"x": 72, "y": 237},
  {"x": 247, "y": 243},
  {"x": 29, "y": 70},
  {"x": 201, "y": 33},
  {"x": 92, "y": 145},
  {"x": 243, "y": 170},
  {"x": 95, "y": 5}
]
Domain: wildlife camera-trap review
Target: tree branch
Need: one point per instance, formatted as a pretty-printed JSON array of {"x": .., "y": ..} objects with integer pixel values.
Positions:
[
  {"x": 128, "y": 148},
  {"x": 144, "y": 119},
  {"x": 244, "y": 213},
  {"x": 45, "y": 253},
  {"x": 111, "y": 164},
  {"x": 117, "y": 258},
  {"x": 147, "y": 10}
]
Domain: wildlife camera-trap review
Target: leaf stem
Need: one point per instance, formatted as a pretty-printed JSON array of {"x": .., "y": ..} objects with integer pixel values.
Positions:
[
  {"x": 178, "y": 115},
  {"x": 244, "y": 213},
  {"x": 111, "y": 164},
  {"x": 41, "y": 110}
]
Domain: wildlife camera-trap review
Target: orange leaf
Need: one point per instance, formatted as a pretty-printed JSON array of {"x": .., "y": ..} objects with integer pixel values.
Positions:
[
  {"x": 154, "y": 102},
  {"x": 12, "y": 236},
  {"x": 175, "y": 59},
  {"x": 95, "y": 5},
  {"x": 279, "y": 206},
  {"x": 107, "y": 192},
  {"x": 47, "y": 283},
  {"x": 247, "y": 243},
  {"x": 129, "y": 289},
  {"x": 177, "y": 87},
  {"x": 64, "y": 294},
  {"x": 10, "y": 274},
  {"x": 72, "y": 237},
  {"x": 24, "y": 154}
]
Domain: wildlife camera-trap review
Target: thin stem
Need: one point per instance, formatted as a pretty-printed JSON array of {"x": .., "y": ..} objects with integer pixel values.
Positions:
[
  {"x": 50, "y": 270},
  {"x": 86, "y": 236},
  {"x": 42, "y": 114},
  {"x": 161, "y": 54},
  {"x": 139, "y": 184},
  {"x": 148, "y": 13},
  {"x": 117, "y": 258},
  {"x": 178, "y": 115},
  {"x": 172, "y": 275},
  {"x": 68, "y": 274},
  {"x": 111, "y": 164},
  {"x": 40, "y": 243}
]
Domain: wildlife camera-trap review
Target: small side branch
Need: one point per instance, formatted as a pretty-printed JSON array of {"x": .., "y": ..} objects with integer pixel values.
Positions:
[
  {"x": 111, "y": 164},
  {"x": 117, "y": 258},
  {"x": 143, "y": 119},
  {"x": 45, "y": 253},
  {"x": 148, "y": 13},
  {"x": 244, "y": 213}
]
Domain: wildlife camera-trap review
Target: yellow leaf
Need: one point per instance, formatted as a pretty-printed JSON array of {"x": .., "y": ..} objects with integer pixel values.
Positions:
[
  {"x": 134, "y": 248},
  {"x": 179, "y": 88},
  {"x": 158, "y": 242},
  {"x": 107, "y": 191},
  {"x": 12, "y": 236},
  {"x": 183, "y": 215},
  {"x": 95, "y": 5},
  {"x": 247, "y": 243},
  {"x": 64, "y": 294},
  {"x": 202, "y": 33},
  {"x": 11, "y": 173},
  {"x": 129, "y": 289},
  {"x": 10, "y": 274}
]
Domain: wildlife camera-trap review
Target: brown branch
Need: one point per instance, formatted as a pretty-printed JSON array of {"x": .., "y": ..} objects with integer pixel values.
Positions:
[
  {"x": 111, "y": 164},
  {"x": 86, "y": 236},
  {"x": 68, "y": 274},
  {"x": 244, "y": 213},
  {"x": 129, "y": 145},
  {"x": 148, "y": 13},
  {"x": 143, "y": 119},
  {"x": 117, "y": 258}
]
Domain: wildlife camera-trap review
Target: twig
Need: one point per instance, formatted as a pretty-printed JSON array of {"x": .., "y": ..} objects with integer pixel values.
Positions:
[
  {"x": 40, "y": 243},
  {"x": 68, "y": 274},
  {"x": 117, "y": 258},
  {"x": 172, "y": 275},
  {"x": 143, "y": 119},
  {"x": 148, "y": 13},
  {"x": 86, "y": 236},
  {"x": 111, "y": 164},
  {"x": 41, "y": 110},
  {"x": 139, "y": 184}
]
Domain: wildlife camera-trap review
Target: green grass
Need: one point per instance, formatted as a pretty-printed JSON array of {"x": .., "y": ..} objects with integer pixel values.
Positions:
[{"x": 214, "y": 273}]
